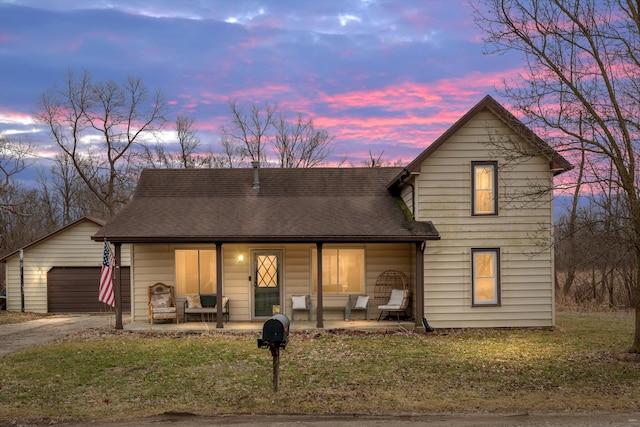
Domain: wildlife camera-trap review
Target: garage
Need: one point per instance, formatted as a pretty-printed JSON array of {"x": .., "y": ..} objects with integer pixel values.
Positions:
[{"x": 75, "y": 289}]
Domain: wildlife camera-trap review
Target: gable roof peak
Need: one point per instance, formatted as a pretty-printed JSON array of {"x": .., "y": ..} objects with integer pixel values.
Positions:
[{"x": 559, "y": 163}]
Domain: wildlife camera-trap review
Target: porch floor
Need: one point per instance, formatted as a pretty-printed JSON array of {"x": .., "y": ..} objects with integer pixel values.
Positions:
[{"x": 298, "y": 325}]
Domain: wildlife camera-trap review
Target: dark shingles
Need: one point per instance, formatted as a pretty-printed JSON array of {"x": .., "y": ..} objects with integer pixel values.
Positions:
[{"x": 319, "y": 204}]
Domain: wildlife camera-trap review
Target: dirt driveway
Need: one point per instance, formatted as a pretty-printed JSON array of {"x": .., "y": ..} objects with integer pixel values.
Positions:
[{"x": 20, "y": 336}]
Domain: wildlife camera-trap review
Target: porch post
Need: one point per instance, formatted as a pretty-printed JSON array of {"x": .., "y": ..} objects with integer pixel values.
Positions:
[
  {"x": 319, "y": 324},
  {"x": 117, "y": 290},
  {"x": 219, "y": 314},
  {"x": 419, "y": 283}
]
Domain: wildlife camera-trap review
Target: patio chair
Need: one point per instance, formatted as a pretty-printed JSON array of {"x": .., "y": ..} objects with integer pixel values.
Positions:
[
  {"x": 398, "y": 303},
  {"x": 162, "y": 305},
  {"x": 358, "y": 303},
  {"x": 387, "y": 282},
  {"x": 300, "y": 303}
]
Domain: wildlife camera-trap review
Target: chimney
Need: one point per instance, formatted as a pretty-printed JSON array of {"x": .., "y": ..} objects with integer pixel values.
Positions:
[{"x": 256, "y": 178}]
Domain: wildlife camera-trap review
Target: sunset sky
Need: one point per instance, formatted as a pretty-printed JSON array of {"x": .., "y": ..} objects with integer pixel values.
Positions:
[{"x": 379, "y": 75}]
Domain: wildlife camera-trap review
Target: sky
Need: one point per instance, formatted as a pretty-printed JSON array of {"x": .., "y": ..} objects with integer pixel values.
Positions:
[{"x": 381, "y": 76}]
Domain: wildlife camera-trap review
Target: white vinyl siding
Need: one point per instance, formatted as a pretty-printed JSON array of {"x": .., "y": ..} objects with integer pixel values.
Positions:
[{"x": 443, "y": 194}]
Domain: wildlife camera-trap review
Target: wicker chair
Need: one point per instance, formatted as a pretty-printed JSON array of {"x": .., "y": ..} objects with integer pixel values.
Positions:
[
  {"x": 162, "y": 305},
  {"x": 391, "y": 293}
]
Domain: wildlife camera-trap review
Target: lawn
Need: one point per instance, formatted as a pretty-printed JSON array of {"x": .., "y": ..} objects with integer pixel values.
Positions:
[{"x": 580, "y": 365}]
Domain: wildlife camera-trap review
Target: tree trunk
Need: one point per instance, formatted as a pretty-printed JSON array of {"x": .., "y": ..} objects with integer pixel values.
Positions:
[{"x": 636, "y": 303}]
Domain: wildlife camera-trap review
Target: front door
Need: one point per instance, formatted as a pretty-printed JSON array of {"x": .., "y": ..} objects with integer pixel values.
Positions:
[{"x": 266, "y": 273}]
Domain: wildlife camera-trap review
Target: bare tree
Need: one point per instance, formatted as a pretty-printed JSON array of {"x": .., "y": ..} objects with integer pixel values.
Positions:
[
  {"x": 188, "y": 140},
  {"x": 300, "y": 144},
  {"x": 582, "y": 60},
  {"x": 14, "y": 158},
  {"x": 249, "y": 131},
  {"x": 188, "y": 156},
  {"x": 373, "y": 161},
  {"x": 107, "y": 117}
]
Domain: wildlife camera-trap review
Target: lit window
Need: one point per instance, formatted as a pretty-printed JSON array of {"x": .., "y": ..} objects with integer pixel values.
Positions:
[
  {"x": 342, "y": 271},
  {"x": 486, "y": 280},
  {"x": 484, "y": 184},
  {"x": 195, "y": 272}
]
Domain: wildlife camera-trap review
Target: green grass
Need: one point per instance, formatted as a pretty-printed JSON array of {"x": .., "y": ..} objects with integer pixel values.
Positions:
[{"x": 577, "y": 366}]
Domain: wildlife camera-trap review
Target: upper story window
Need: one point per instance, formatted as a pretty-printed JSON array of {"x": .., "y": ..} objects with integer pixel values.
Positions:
[
  {"x": 342, "y": 271},
  {"x": 195, "y": 272},
  {"x": 484, "y": 181},
  {"x": 485, "y": 264}
]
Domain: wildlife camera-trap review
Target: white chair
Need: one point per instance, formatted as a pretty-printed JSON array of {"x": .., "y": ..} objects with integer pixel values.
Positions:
[
  {"x": 300, "y": 303},
  {"x": 398, "y": 303},
  {"x": 358, "y": 303}
]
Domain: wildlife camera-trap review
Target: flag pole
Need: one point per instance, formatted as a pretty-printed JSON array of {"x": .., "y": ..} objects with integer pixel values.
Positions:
[{"x": 116, "y": 285}]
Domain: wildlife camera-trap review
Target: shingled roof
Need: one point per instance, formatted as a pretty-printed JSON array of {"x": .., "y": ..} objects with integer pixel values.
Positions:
[
  {"x": 557, "y": 163},
  {"x": 290, "y": 205}
]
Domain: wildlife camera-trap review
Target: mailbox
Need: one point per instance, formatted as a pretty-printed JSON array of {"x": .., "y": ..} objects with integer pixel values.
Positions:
[{"x": 275, "y": 332}]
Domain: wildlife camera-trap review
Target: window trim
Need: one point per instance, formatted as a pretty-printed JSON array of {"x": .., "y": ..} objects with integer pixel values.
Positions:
[
  {"x": 314, "y": 290},
  {"x": 484, "y": 163},
  {"x": 496, "y": 285},
  {"x": 175, "y": 270}
]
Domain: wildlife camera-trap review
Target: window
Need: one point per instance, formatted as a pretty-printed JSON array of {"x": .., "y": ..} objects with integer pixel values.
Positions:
[
  {"x": 342, "y": 271},
  {"x": 484, "y": 177},
  {"x": 195, "y": 272},
  {"x": 486, "y": 279}
]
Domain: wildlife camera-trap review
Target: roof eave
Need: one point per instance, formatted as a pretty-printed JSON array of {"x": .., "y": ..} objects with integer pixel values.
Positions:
[{"x": 267, "y": 239}]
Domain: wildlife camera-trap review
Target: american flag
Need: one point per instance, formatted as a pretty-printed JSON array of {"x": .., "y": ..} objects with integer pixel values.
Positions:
[{"x": 106, "y": 278}]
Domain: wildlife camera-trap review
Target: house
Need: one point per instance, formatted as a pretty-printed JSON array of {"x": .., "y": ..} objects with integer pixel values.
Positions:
[
  {"x": 460, "y": 221},
  {"x": 60, "y": 271}
]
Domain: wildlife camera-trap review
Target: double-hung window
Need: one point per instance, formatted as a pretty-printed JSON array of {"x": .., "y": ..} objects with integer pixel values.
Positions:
[
  {"x": 486, "y": 276},
  {"x": 342, "y": 271},
  {"x": 195, "y": 272},
  {"x": 484, "y": 184}
]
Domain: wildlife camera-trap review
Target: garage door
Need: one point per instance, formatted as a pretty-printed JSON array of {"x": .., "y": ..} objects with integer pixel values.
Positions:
[{"x": 75, "y": 289}]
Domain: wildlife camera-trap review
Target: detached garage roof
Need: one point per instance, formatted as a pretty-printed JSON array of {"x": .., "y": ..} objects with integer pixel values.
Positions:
[
  {"x": 98, "y": 222},
  {"x": 288, "y": 205}
]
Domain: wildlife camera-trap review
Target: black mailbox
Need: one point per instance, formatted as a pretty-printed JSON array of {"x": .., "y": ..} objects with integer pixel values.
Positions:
[{"x": 275, "y": 332}]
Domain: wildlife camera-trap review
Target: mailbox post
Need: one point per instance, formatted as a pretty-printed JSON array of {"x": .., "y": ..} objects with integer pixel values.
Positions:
[{"x": 275, "y": 335}]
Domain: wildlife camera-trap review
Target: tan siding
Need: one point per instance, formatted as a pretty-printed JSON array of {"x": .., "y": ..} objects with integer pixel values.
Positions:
[
  {"x": 444, "y": 188},
  {"x": 72, "y": 247},
  {"x": 155, "y": 263}
]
